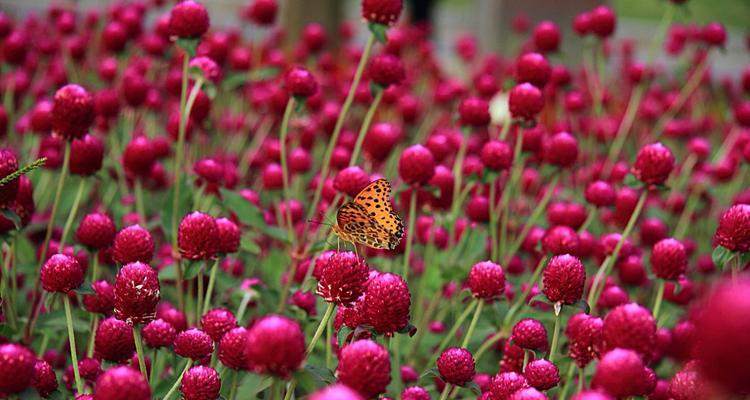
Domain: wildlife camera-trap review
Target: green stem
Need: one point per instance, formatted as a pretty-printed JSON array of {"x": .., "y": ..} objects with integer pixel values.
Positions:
[
  {"x": 233, "y": 388},
  {"x": 687, "y": 90},
  {"x": 458, "y": 174},
  {"x": 211, "y": 283},
  {"x": 72, "y": 341},
  {"x": 73, "y": 212},
  {"x": 243, "y": 307},
  {"x": 521, "y": 300},
  {"x": 275, "y": 389},
  {"x": 508, "y": 191},
  {"x": 624, "y": 128},
  {"x": 604, "y": 270},
  {"x": 457, "y": 324},
  {"x": 321, "y": 326},
  {"x": 555, "y": 333},
  {"x": 538, "y": 211},
  {"x": 589, "y": 219},
  {"x": 139, "y": 351},
  {"x": 487, "y": 344},
  {"x": 94, "y": 324},
  {"x": 659, "y": 296},
  {"x": 473, "y": 324},
  {"x": 325, "y": 167},
  {"x": 446, "y": 390},
  {"x": 284, "y": 130},
  {"x": 154, "y": 364},
  {"x": 525, "y": 360},
  {"x": 493, "y": 221},
  {"x": 139, "y": 201},
  {"x": 568, "y": 380},
  {"x": 393, "y": 344},
  {"x": 410, "y": 232},
  {"x": 366, "y": 126},
  {"x": 176, "y": 384}
]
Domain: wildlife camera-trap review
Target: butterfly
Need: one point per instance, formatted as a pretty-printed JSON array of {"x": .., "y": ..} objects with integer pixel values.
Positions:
[{"x": 369, "y": 218}]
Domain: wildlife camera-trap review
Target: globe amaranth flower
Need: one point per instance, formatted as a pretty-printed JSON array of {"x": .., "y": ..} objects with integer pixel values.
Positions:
[
  {"x": 337, "y": 391},
  {"x": 653, "y": 164},
  {"x": 188, "y": 20},
  {"x": 386, "y": 303},
  {"x": 136, "y": 293},
  {"x": 96, "y": 230},
  {"x": 132, "y": 244},
  {"x": 122, "y": 383},
  {"x": 733, "y": 231},
  {"x": 159, "y": 333},
  {"x": 584, "y": 337},
  {"x": 621, "y": 373},
  {"x": 217, "y": 322},
  {"x": 630, "y": 326},
  {"x": 61, "y": 273},
  {"x": 198, "y": 236},
  {"x": 530, "y": 334},
  {"x": 456, "y": 366},
  {"x": 16, "y": 368},
  {"x": 542, "y": 374},
  {"x": 275, "y": 345},
  {"x": 45, "y": 380},
  {"x": 384, "y": 12},
  {"x": 232, "y": 348},
  {"x": 72, "y": 112},
  {"x": 365, "y": 366},
  {"x": 114, "y": 340},
  {"x": 341, "y": 277},
  {"x": 200, "y": 383},
  {"x": 486, "y": 280},
  {"x": 505, "y": 384},
  {"x": 669, "y": 259},
  {"x": 193, "y": 343},
  {"x": 564, "y": 279}
]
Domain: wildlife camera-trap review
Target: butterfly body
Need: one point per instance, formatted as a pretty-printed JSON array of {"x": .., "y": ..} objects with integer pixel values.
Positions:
[{"x": 369, "y": 218}]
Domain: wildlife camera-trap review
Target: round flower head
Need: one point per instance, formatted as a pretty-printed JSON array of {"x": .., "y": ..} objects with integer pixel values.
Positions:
[
  {"x": 584, "y": 337},
  {"x": 621, "y": 373},
  {"x": 561, "y": 150},
  {"x": 132, "y": 244},
  {"x": 217, "y": 322},
  {"x": 208, "y": 68},
  {"x": 560, "y": 239},
  {"x": 96, "y": 230},
  {"x": 416, "y": 166},
  {"x": 386, "y": 303},
  {"x": 159, "y": 333},
  {"x": 533, "y": 68},
  {"x": 262, "y": 12},
  {"x": 114, "y": 340},
  {"x": 301, "y": 83},
  {"x": 8, "y": 165},
  {"x": 505, "y": 384},
  {"x": 232, "y": 348},
  {"x": 198, "y": 236},
  {"x": 337, "y": 391},
  {"x": 591, "y": 395},
  {"x": 415, "y": 393},
  {"x": 546, "y": 37},
  {"x": 386, "y": 69},
  {"x": 342, "y": 278},
  {"x": 733, "y": 231},
  {"x": 45, "y": 380},
  {"x": 72, "y": 112},
  {"x": 122, "y": 383},
  {"x": 200, "y": 383},
  {"x": 61, "y": 273},
  {"x": 497, "y": 155},
  {"x": 525, "y": 101},
  {"x": 564, "y": 279},
  {"x": 669, "y": 259},
  {"x": 603, "y": 21},
  {"x": 486, "y": 280},
  {"x": 600, "y": 194},
  {"x": 723, "y": 346},
  {"x": 528, "y": 394},
  {"x": 456, "y": 366},
  {"x": 365, "y": 366},
  {"x": 229, "y": 236},
  {"x": 384, "y": 12},
  {"x": 653, "y": 164},
  {"x": 86, "y": 155},
  {"x": 530, "y": 334},
  {"x": 16, "y": 368},
  {"x": 188, "y": 20},
  {"x": 474, "y": 111},
  {"x": 542, "y": 374},
  {"x": 351, "y": 180},
  {"x": 275, "y": 345},
  {"x": 630, "y": 326},
  {"x": 136, "y": 293},
  {"x": 102, "y": 300},
  {"x": 193, "y": 343}
]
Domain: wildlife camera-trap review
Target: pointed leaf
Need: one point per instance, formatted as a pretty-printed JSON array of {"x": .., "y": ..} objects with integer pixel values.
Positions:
[
  {"x": 474, "y": 388},
  {"x": 248, "y": 245},
  {"x": 539, "y": 298},
  {"x": 192, "y": 269},
  {"x": 379, "y": 31},
  {"x": 583, "y": 305},
  {"x": 720, "y": 256},
  {"x": 12, "y": 216}
]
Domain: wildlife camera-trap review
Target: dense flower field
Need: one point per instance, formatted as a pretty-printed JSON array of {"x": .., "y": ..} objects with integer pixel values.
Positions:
[{"x": 200, "y": 213}]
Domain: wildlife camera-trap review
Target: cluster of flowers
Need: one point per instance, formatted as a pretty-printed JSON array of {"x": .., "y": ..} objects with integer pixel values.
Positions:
[{"x": 605, "y": 205}]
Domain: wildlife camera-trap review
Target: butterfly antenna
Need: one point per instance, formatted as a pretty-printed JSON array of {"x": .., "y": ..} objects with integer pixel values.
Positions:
[{"x": 319, "y": 222}]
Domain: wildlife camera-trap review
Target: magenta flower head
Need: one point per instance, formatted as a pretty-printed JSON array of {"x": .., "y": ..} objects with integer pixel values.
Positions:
[
  {"x": 505, "y": 384},
  {"x": 96, "y": 230},
  {"x": 16, "y": 368},
  {"x": 600, "y": 194},
  {"x": 416, "y": 166},
  {"x": 542, "y": 374},
  {"x": 45, "y": 380},
  {"x": 61, "y": 273},
  {"x": 592, "y": 395},
  {"x": 301, "y": 83},
  {"x": 102, "y": 300},
  {"x": 533, "y": 68},
  {"x": 560, "y": 239},
  {"x": 232, "y": 348},
  {"x": 136, "y": 293},
  {"x": 8, "y": 165},
  {"x": 386, "y": 70},
  {"x": 275, "y": 345},
  {"x": 132, "y": 244},
  {"x": 474, "y": 111},
  {"x": 529, "y": 334},
  {"x": 584, "y": 337},
  {"x": 86, "y": 155},
  {"x": 621, "y": 373},
  {"x": 561, "y": 150},
  {"x": 114, "y": 340},
  {"x": 72, "y": 112},
  {"x": 669, "y": 259},
  {"x": 159, "y": 333},
  {"x": 217, "y": 322},
  {"x": 365, "y": 366},
  {"x": 342, "y": 278},
  {"x": 630, "y": 326},
  {"x": 497, "y": 155},
  {"x": 486, "y": 280},
  {"x": 200, "y": 383},
  {"x": 262, "y": 12},
  {"x": 723, "y": 345},
  {"x": 384, "y": 12},
  {"x": 337, "y": 391},
  {"x": 528, "y": 394},
  {"x": 188, "y": 20},
  {"x": 603, "y": 21},
  {"x": 653, "y": 164},
  {"x": 415, "y": 393},
  {"x": 351, "y": 180},
  {"x": 386, "y": 303},
  {"x": 564, "y": 279},
  {"x": 525, "y": 101},
  {"x": 229, "y": 236},
  {"x": 456, "y": 366},
  {"x": 193, "y": 343},
  {"x": 198, "y": 236},
  {"x": 733, "y": 231},
  {"x": 122, "y": 383}
]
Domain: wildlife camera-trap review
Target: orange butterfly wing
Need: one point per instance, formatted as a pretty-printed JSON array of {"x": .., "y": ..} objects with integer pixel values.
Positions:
[{"x": 369, "y": 218}]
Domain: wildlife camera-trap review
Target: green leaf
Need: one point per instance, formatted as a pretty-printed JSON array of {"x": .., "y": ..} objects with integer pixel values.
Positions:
[
  {"x": 321, "y": 372},
  {"x": 539, "y": 298},
  {"x": 473, "y": 387},
  {"x": 235, "y": 80},
  {"x": 183, "y": 205},
  {"x": 379, "y": 31},
  {"x": 744, "y": 259},
  {"x": 583, "y": 305},
  {"x": 210, "y": 89},
  {"x": 721, "y": 256},
  {"x": 631, "y": 181},
  {"x": 375, "y": 89},
  {"x": 189, "y": 45},
  {"x": 12, "y": 216},
  {"x": 168, "y": 273},
  {"x": 248, "y": 245},
  {"x": 343, "y": 334},
  {"x": 192, "y": 270},
  {"x": 430, "y": 373},
  {"x": 246, "y": 211}
]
